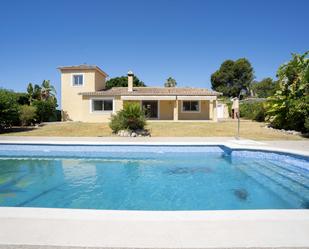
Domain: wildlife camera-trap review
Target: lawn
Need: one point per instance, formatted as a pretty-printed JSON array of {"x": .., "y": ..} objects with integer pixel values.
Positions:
[{"x": 249, "y": 129}]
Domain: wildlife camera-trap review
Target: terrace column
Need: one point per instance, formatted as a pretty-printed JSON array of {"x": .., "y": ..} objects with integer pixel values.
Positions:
[
  {"x": 214, "y": 118},
  {"x": 211, "y": 108},
  {"x": 176, "y": 110}
]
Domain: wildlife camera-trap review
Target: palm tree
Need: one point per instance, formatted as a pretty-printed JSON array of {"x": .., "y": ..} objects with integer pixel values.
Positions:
[
  {"x": 30, "y": 93},
  {"x": 170, "y": 82},
  {"x": 37, "y": 92},
  {"x": 47, "y": 90}
]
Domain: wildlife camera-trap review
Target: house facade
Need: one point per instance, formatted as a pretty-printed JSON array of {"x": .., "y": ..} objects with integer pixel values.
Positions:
[{"x": 85, "y": 98}]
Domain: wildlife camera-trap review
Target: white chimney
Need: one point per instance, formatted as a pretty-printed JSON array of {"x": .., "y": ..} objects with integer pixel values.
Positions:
[{"x": 130, "y": 81}]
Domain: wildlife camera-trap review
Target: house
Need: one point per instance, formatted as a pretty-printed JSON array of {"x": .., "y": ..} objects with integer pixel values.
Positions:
[{"x": 85, "y": 98}]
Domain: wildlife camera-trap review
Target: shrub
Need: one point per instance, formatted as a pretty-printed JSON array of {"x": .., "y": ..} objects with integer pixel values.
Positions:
[
  {"x": 291, "y": 114},
  {"x": 27, "y": 114},
  {"x": 132, "y": 117},
  {"x": 289, "y": 107},
  {"x": 45, "y": 109},
  {"x": 9, "y": 114},
  {"x": 253, "y": 110}
]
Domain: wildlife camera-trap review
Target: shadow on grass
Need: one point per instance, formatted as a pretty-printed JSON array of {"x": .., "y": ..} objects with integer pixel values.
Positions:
[
  {"x": 18, "y": 129},
  {"x": 305, "y": 135}
]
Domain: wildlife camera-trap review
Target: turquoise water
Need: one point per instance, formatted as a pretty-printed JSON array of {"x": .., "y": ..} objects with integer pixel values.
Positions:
[{"x": 151, "y": 178}]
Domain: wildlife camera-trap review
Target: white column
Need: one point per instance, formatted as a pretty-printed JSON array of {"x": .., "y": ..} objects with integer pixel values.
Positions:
[
  {"x": 176, "y": 110},
  {"x": 215, "y": 118},
  {"x": 210, "y": 110}
]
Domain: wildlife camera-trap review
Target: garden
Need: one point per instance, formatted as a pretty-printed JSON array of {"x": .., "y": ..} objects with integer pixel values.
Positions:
[{"x": 36, "y": 105}]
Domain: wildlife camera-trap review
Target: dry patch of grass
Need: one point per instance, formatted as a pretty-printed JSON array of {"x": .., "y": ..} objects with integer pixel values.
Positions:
[
  {"x": 66, "y": 129},
  {"x": 249, "y": 129}
]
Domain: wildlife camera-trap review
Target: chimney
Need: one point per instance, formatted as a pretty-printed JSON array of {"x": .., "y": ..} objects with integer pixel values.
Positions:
[{"x": 130, "y": 81}]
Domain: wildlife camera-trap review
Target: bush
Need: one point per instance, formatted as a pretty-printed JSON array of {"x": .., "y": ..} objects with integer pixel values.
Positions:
[
  {"x": 292, "y": 114},
  {"x": 132, "y": 117},
  {"x": 27, "y": 114},
  {"x": 9, "y": 109},
  {"x": 289, "y": 107},
  {"x": 45, "y": 109},
  {"x": 252, "y": 110}
]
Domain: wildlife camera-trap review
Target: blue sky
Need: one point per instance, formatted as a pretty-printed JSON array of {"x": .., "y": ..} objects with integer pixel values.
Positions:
[{"x": 187, "y": 40}]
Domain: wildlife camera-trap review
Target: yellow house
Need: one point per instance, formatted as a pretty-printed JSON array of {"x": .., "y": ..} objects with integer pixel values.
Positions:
[{"x": 84, "y": 97}]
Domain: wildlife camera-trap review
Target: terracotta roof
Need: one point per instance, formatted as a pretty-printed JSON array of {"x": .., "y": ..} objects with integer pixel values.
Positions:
[
  {"x": 83, "y": 66},
  {"x": 157, "y": 91}
]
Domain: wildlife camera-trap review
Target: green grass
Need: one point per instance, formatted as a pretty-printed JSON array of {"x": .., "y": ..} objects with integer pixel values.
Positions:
[{"x": 249, "y": 129}]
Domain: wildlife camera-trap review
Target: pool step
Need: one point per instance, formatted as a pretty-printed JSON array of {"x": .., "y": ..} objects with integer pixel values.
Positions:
[
  {"x": 292, "y": 185},
  {"x": 280, "y": 190},
  {"x": 292, "y": 175},
  {"x": 292, "y": 168}
]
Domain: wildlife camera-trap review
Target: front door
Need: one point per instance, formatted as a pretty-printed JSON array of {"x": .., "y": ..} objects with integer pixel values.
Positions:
[{"x": 151, "y": 108}]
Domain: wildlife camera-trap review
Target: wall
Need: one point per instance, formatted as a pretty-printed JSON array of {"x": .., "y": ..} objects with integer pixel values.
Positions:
[
  {"x": 71, "y": 101},
  {"x": 100, "y": 81},
  {"x": 88, "y": 116},
  {"x": 204, "y": 113},
  {"x": 166, "y": 110}
]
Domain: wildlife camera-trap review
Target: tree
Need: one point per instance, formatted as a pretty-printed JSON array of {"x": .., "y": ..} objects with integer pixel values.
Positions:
[
  {"x": 289, "y": 107},
  {"x": 9, "y": 109},
  {"x": 36, "y": 92},
  {"x": 45, "y": 109},
  {"x": 123, "y": 82},
  {"x": 47, "y": 90},
  {"x": 232, "y": 77},
  {"x": 265, "y": 88},
  {"x": 43, "y": 99},
  {"x": 170, "y": 82},
  {"x": 30, "y": 92}
]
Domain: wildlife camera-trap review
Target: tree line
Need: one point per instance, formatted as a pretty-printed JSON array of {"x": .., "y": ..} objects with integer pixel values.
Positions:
[
  {"x": 287, "y": 98},
  {"x": 36, "y": 105},
  {"x": 234, "y": 76},
  {"x": 122, "y": 81}
]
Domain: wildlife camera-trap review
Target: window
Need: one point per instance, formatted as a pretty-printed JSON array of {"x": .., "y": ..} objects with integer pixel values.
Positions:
[
  {"x": 78, "y": 79},
  {"x": 190, "y": 106},
  {"x": 102, "y": 105}
]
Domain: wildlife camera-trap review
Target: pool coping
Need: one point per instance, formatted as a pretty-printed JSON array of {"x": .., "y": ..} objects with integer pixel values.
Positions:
[
  {"x": 231, "y": 144},
  {"x": 156, "y": 229}
]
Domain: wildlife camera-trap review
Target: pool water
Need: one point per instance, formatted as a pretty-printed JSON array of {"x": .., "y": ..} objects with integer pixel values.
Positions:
[{"x": 151, "y": 178}]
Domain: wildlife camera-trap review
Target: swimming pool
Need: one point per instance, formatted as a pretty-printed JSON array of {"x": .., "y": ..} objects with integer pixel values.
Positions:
[{"x": 151, "y": 178}]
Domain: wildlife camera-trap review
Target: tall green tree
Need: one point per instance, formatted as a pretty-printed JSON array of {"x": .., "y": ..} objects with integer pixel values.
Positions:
[
  {"x": 30, "y": 93},
  {"x": 289, "y": 107},
  {"x": 47, "y": 90},
  {"x": 43, "y": 98},
  {"x": 123, "y": 82},
  {"x": 265, "y": 88},
  {"x": 37, "y": 92},
  {"x": 232, "y": 77},
  {"x": 33, "y": 92},
  {"x": 170, "y": 82},
  {"x": 45, "y": 109},
  {"x": 9, "y": 108}
]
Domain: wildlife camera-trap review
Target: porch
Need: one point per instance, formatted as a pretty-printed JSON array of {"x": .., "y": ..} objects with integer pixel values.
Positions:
[{"x": 177, "y": 108}]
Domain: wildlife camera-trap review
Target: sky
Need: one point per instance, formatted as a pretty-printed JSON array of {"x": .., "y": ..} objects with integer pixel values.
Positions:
[{"x": 187, "y": 40}]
